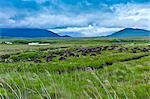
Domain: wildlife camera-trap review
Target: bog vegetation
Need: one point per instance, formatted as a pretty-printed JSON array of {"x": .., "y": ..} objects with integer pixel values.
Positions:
[{"x": 75, "y": 68}]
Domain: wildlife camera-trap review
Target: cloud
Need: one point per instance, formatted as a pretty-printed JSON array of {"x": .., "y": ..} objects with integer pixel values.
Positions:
[
  {"x": 88, "y": 17},
  {"x": 122, "y": 16},
  {"x": 37, "y": 1},
  {"x": 88, "y": 31},
  {"x": 50, "y": 21},
  {"x": 132, "y": 11},
  {"x": 130, "y": 15}
]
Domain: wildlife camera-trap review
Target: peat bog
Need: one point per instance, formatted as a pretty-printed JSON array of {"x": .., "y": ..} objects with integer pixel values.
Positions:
[{"x": 75, "y": 68}]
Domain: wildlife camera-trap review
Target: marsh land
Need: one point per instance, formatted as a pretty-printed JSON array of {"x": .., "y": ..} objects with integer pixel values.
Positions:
[{"x": 75, "y": 68}]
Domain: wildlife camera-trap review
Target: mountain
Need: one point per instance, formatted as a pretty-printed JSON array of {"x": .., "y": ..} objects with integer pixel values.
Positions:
[
  {"x": 130, "y": 32},
  {"x": 72, "y": 34},
  {"x": 65, "y": 36},
  {"x": 26, "y": 32}
]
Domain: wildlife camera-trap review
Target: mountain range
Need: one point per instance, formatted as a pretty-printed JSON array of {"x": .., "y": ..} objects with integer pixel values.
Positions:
[
  {"x": 130, "y": 32},
  {"x": 26, "y": 32},
  {"x": 35, "y": 32}
]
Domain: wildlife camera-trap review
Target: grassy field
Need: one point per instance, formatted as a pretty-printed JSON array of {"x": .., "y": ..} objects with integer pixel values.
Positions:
[{"x": 75, "y": 68}]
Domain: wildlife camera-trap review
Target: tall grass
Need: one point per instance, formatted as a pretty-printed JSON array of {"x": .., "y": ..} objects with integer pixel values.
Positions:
[{"x": 74, "y": 77}]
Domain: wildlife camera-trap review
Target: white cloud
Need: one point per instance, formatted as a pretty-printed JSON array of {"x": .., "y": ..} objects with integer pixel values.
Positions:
[
  {"x": 5, "y": 19},
  {"x": 48, "y": 20},
  {"x": 89, "y": 31},
  {"x": 38, "y": 1},
  {"x": 122, "y": 16},
  {"x": 131, "y": 15}
]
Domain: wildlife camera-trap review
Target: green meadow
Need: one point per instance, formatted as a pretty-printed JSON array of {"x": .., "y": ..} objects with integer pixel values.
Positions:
[{"x": 75, "y": 68}]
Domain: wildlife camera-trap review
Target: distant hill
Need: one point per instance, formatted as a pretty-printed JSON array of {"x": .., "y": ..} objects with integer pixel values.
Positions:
[
  {"x": 26, "y": 32},
  {"x": 71, "y": 34},
  {"x": 65, "y": 36},
  {"x": 130, "y": 32}
]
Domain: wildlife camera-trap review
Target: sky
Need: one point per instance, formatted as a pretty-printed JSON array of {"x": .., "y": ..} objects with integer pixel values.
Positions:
[{"x": 85, "y": 18}]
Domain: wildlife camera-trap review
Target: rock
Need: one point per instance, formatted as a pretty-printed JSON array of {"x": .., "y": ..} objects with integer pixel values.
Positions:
[
  {"x": 144, "y": 50},
  {"x": 108, "y": 63},
  {"x": 62, "y": 58},
  {"x": 4, "y": 56},
  {"x": 37, "y": 61},
  {"x": 71, "y": 54},
  {"x": 48, "y": 59},
  {"x": 134, "y": 51},
  {"x": 92, "y": 54},
  {"x": 84, "y": 54},
  {"x": 77, "y": 55},
  {"x": 88, "y": 69}
]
